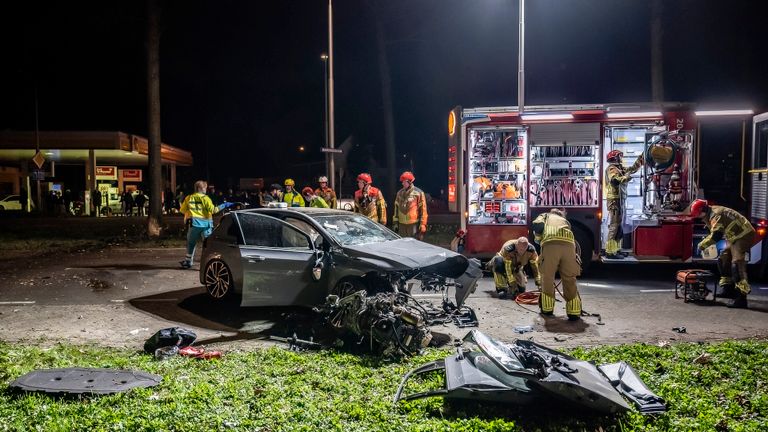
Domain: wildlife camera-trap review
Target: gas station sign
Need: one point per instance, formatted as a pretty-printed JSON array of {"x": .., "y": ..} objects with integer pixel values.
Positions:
[
  {"x": 131, "y": 175},
  {"x": 106, "y": 173}
]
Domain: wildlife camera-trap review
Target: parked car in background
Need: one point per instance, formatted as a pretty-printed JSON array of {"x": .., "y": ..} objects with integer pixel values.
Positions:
[{"x": 300, "y": 255}]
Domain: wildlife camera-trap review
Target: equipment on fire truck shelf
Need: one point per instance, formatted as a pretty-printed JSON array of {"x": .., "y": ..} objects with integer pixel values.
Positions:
[
  {"x": 564, "y": 176},
  {"x": 667, "y": 172},
  {"x": 498, "y": 171}
]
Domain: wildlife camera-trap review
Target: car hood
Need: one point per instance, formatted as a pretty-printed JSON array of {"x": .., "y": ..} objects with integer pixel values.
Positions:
[{"x": 408, "y": 253}]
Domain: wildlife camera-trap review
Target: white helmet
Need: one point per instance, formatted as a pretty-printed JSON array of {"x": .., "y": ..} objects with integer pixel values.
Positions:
[{"x": 322, "y": 179}]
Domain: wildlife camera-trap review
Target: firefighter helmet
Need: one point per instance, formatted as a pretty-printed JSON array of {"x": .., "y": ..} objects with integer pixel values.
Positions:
[
  {"x": 614, "y": 156},
  {"x": 698, "y": 207},
  {"x": 407, "y": 176},
  {"x": 322, "y": 179},
  {"x": 307, "y": 191},
  {"x": 365, "y": 178},
  {"x": 289, "y": 182}
]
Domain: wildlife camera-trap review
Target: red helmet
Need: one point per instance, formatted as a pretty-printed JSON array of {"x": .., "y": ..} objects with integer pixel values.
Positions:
[
  {"x": 698, "y": 207},
  {"x": 307, "y": 191},
  {"x": 407, "y": 176},
  {"x": 365, "y": 178},
  {"x": 614, "y": 155}
]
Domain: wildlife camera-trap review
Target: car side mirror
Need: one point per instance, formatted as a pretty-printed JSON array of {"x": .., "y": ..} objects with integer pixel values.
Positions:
[{"x": 317, "y": 269}]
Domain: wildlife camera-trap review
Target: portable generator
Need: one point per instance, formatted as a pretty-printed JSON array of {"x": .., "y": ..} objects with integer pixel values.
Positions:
[{"x": 693, "y": 285}]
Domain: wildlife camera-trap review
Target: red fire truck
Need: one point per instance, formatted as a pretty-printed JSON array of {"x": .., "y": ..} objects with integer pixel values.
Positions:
[{"x": 507, "y": 167}]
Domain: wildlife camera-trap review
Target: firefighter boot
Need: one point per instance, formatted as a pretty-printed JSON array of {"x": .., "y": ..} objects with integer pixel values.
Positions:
[
  {"x": 727, "y": 288},
  {"x": 546, "y": 304},
  {"x": 612, "y": 250},
  {"x": 500, "y": 280},
  {"x": 740, "y": 302},
  {"x": 573, "y": 309}
]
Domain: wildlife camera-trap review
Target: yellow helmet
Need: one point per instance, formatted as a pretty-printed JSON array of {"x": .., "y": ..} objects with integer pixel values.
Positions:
[{"x": 289, "y": 182}]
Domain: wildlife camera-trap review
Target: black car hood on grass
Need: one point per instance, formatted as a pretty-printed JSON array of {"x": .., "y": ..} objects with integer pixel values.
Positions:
[{"x": 408, "y": 253}]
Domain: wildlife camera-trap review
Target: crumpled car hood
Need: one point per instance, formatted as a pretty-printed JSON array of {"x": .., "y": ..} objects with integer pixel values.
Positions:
[{"x": 408, "y": 253}]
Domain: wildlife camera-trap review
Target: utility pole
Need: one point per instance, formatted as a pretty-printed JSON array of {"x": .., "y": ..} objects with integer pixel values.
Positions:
[
  {"x": 153, "y": 113},
  {"x": 324, "y": 58},
  {"x": 331, "y": 134},
  {"x": 521, "y": 60}
]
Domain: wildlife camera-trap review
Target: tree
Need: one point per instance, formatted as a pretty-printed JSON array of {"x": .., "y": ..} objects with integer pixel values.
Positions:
[{"x": 153, "y": 117}]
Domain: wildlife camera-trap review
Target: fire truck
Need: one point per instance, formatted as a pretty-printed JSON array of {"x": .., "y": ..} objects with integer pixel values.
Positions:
[
  {"x": 758, "y": 211},
  {"x": 506, "y": 167}
]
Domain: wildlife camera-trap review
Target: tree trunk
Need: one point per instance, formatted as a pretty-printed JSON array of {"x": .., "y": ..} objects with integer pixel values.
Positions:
[
  {"x": 153, "y": 120},
  {"x": 386, "y": 98}
]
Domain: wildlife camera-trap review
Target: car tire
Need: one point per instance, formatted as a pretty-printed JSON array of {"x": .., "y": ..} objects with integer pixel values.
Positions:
[
  {"x": 219, "y": 282},
  {"x": 348, "y": 286}
]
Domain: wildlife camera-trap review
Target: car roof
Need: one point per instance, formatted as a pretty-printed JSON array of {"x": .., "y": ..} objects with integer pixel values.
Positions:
[{"x": 314, "y": 211}]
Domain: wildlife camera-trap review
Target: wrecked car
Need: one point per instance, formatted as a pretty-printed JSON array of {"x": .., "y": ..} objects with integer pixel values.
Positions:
[
  {"x": 299, "y": 256},
  {"x": 524, "y": 373}
]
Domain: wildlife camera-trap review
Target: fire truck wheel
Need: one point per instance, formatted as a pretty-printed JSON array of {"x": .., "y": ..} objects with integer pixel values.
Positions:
[{"x": 587, "y": 247}]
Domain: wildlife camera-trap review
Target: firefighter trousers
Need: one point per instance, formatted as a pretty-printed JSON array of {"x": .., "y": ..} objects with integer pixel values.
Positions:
[
  {"x": 736, "y": 253},
  {"x": 502, "y": 268},
  {"x": 613, "y": 240},
  {"x": 559, "y": 256}
]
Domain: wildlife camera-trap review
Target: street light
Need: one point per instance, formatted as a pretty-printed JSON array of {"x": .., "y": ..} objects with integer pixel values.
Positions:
[{"x": 324, "y": 58}]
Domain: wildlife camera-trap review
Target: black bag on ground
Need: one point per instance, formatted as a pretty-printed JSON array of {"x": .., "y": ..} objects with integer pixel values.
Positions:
[{"x": 169, "y": 336}]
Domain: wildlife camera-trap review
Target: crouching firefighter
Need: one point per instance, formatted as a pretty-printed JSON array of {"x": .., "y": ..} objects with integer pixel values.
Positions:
[
  {"x": 509, "y": 267},
  {"x": 558, "y": 254},
  {"x": 727, "y": 223},
  {"x": 198, "y": 210}
]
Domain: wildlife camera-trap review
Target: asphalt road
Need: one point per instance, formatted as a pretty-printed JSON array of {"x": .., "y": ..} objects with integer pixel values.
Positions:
[{"x": 119, "y": 296}]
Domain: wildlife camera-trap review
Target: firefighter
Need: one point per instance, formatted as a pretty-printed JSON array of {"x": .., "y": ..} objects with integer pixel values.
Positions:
[
  {"x": 368, "y": 200},
  {"x": 558, "y": 254},
  {"x": 291, "y": 195},
  {"x": 615, "y": 187},
  {"x": 198, "y": 210},
  {"x": 325, "y": 192},
  {"x": 508, "y": 267},
  {"x": 313, "y": 199},
  {"x": 410, "y": 215},
  {"x": 727, "y": 223}
]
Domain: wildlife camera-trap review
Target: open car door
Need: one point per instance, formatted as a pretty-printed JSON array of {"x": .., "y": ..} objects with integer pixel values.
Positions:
[{"x": 277, "y": 261}]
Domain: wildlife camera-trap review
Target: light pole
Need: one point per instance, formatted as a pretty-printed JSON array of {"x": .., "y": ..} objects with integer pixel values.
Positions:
[
  {"x": 331, "y": 135},
  {"x": 324, "y": 58},
  {"x": 521, "y": 60}
]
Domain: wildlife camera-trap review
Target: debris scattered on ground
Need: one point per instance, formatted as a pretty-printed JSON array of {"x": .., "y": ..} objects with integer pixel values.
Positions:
[
  {"x": 138, "y": 330},
  {"x": 704, "y": 358},
  {"x": 523, "y": 329},
  {"x": 524, "y": 372},
  {"x": 560, "y": 338},
  {"x": 199, "y": 353},
  {"x": 679, "y": 329},
  {"x": 85, "y": 380},
  {"x": 296, "y": 344},
  {"x": 172, "y": 336}
]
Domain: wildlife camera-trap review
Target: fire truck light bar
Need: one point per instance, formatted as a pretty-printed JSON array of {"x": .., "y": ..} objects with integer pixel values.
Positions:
[
  {"x": 633, "y": 114},
  {"x": 725, "y": 112},
  {"x": 564, "y": 116}
]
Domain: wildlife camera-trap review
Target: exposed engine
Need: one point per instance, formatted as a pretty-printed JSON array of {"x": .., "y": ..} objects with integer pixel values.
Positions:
[{"x": 390, "y": 324}]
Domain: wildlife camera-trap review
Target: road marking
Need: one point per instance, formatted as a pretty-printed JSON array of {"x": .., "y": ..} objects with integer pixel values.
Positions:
[
  {"x": 155, "y": 300},
  {"x": 117, "y": 301},
  {"x": 16, "y": 302},
  {"x": 657, "y": 290},
  {"x": 147, "y": 249},
  {"x": 596, "y": 285}
]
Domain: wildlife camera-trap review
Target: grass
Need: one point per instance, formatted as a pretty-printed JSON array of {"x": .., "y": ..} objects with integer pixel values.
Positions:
[{"x": 275, "y": 390}]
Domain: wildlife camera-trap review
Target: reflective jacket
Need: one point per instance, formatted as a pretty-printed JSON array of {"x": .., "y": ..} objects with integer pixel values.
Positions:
[
  {"x": 294, "y": 199},
  {"x": 725, "y": 222},
  {"x": 520, "y": 259},
  {"x": 371, "y": 204},
  {"x": 199, "y": 208},
  {"x": 616, "y": 179},
  {"x": 551, "y": 227},
  {"x": 410, "y": 206},
  {"x": 318, "y": 202},
  {"x": 328, "y": 195}
]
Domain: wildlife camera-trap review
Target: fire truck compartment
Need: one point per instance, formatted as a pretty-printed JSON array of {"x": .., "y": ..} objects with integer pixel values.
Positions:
[{"x": 673, "y": 239}]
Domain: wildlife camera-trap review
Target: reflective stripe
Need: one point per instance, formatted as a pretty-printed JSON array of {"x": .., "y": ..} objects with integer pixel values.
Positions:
[
  {"x": 547, "y": 302},
  {"x": 555, "y": 233},
  {"x": 500, "y": 280},
  {"x": 573, "y": 306}
]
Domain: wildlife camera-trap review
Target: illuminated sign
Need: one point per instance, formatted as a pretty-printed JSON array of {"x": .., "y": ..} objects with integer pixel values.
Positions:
[
  {"x": 106, "y": 173},
  {"x": 451, "y": 192},
  {"x": 451, "y": 123},
  {"x": 131, "y": 175}
]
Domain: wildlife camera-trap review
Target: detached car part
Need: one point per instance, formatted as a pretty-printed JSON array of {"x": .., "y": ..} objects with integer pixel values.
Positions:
[
  {"x": 85, "y": 380},
  {"x": 525, "y": 372}
]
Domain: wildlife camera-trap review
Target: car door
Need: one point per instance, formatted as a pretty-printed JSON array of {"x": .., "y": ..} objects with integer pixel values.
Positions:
[{"x": 277, "y": 261}]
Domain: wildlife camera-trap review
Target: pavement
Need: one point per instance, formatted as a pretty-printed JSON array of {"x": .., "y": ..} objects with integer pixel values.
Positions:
[{"x": 120, "y": 296}]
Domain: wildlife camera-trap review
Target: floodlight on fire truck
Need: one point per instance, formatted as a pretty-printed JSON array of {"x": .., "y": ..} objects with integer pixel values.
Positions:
[
  {"x": 636, "y": 114},
  {"x": 742, "y": 112},
  {"x": 563, "y": 116}
]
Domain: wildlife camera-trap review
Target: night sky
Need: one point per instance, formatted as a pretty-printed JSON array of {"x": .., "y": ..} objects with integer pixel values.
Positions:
[{"x": 242, "y": 81}]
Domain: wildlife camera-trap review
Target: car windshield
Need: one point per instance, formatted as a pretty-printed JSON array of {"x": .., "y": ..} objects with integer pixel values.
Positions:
[{"x": 354, "y": 229}]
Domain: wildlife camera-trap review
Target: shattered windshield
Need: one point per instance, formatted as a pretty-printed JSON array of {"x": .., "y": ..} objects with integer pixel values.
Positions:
[{"x": 353, "y": 229}]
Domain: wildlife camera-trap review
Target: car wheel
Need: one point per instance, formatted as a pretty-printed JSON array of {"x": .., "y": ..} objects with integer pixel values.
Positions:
[
  {"x": 218, "y": 279},
  {"x": 348, "y": 286}
]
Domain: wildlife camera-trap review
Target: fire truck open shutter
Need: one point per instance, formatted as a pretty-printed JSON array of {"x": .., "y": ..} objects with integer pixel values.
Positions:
[{"x": 565, "y": 133}]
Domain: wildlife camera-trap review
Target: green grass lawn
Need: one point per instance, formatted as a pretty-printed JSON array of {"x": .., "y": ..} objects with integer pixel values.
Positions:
[{"x": 274, "y": 390}]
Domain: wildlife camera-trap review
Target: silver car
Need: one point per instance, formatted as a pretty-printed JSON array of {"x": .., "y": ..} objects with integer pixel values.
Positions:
[{"x": 298, "y": 256}]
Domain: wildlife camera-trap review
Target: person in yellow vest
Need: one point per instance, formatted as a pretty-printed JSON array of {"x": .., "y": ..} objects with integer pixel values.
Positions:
[
  {"x": 558, "y": 254},
  {"x": 312, "y": 199},
  {"x": 369, "y": 201},
  {"x": 326, "y": 193},
  {"x": 508, "y": 267},
  {"x": 410, "y": 218},
  {"x": 615, "y": 190},
  {"x": 291, "y": 196},
  {"x": 198, "y": 210},
  {"x": 727, "y": 223}
]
